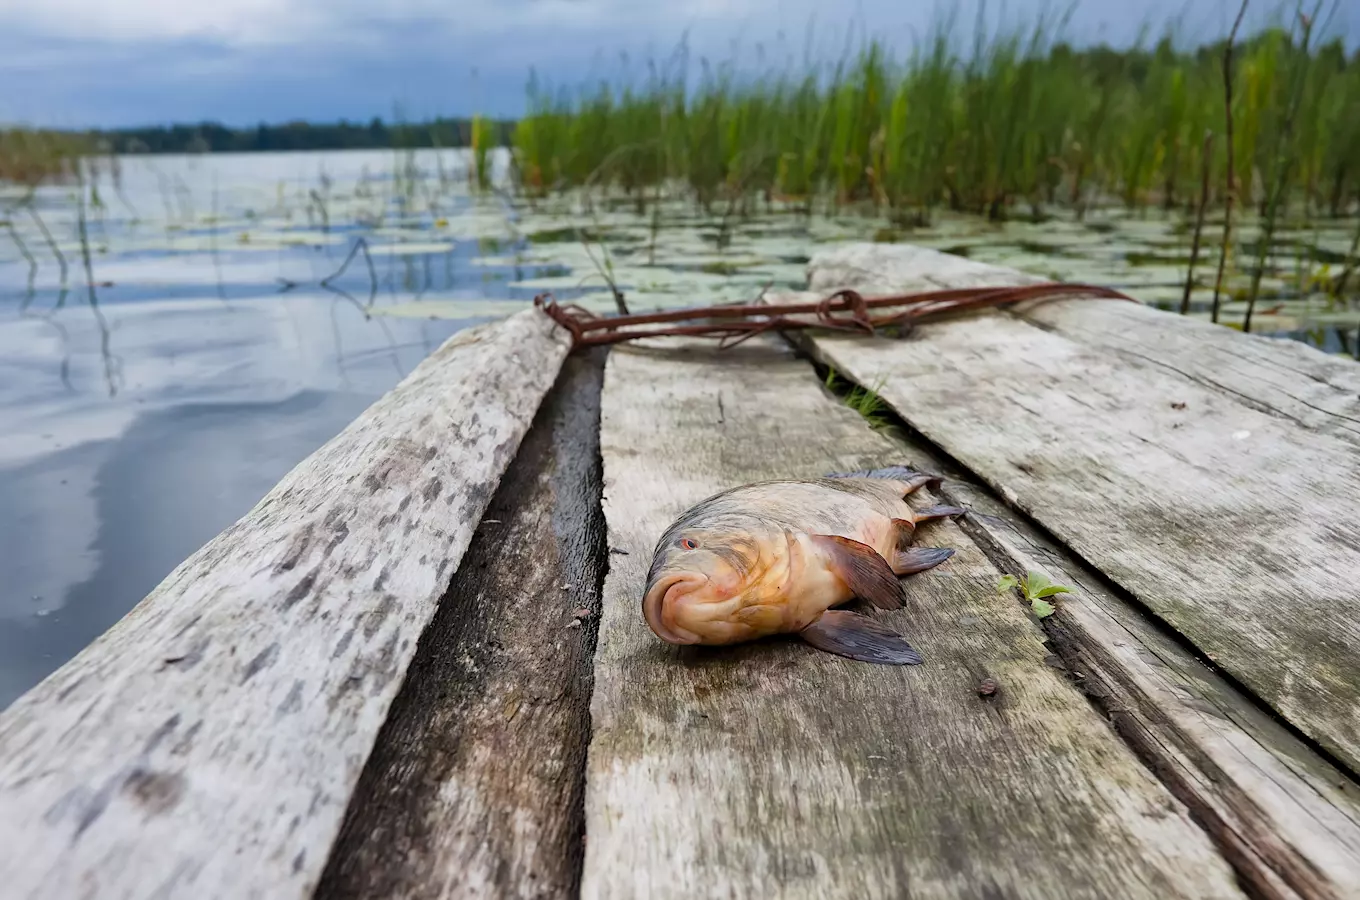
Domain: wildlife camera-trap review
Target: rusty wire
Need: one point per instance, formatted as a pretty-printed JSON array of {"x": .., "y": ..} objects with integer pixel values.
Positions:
[{"x": 844, "y": 310}]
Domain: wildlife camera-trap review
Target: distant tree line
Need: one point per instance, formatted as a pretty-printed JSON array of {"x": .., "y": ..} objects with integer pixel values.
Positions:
[{"x": 212, "y": 137}]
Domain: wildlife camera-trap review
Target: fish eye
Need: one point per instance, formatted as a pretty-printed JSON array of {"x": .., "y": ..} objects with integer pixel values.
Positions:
[{"x": 689, "y": 544}]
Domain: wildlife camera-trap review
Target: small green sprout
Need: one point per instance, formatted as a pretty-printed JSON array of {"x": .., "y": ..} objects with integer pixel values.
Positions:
[{"x": 1036, "y": 588}]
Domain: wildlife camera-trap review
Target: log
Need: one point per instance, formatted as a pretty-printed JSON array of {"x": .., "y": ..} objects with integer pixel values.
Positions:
[
  {"x": 1226, "y": 505},
  {"x": 771, "y": 769},
  {"x": 474, "y": 787},
  {"x": 207, "y": 744}
]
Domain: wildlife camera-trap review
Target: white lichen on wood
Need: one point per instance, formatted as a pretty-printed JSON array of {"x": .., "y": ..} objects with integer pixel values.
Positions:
[{"x": 208, "y": 743}]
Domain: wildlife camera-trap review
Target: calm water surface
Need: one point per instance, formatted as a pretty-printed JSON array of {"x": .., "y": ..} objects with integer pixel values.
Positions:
[
  {"x": 138, "y": 423},
  {"x": 238, "y": 311}
]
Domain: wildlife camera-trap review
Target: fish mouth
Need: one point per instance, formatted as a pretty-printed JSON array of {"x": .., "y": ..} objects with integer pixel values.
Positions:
[{"x": 655, "y": 601}]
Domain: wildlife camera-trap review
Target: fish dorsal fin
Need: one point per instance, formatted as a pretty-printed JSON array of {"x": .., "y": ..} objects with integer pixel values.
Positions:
[
  {"x": 868, "y": 575},
  {"x": 911, "y": 479},
  {"x": 852, "y": 635}
]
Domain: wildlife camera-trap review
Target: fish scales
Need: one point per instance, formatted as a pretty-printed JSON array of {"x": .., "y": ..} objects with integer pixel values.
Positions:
[{"x": 776, "y": 556}]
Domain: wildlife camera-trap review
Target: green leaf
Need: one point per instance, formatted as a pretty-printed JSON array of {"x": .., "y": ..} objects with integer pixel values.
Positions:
[
  {"x": 1051, "y": 590},
  {"x": 1034, "y": 583},
  {"x": 1042, "y": 608},
  {"x": 1006, "y": 583}
]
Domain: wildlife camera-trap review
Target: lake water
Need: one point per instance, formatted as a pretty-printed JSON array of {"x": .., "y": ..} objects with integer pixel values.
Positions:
[
  {"x": 149, "y": 400},
  {"x": 140, "y": 422}
]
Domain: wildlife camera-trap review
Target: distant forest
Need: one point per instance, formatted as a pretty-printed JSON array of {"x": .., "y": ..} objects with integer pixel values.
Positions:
[{"x": 211, "y": 137}]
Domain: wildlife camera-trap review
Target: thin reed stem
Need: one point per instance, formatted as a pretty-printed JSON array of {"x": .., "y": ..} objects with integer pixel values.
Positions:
[
  {"x": 1232, "y": 188},
  {"x": 1207, "y": 158}
]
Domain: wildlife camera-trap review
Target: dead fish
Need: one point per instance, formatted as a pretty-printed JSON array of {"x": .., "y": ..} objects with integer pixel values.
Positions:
[{"x": 774, "y": 558}]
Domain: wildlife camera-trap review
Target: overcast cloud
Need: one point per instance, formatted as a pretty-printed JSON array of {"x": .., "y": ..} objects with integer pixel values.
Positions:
[{"x": 124, "y": 62}]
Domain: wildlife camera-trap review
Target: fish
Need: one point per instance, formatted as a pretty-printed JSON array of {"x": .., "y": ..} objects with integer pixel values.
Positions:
[{"x": 776, "y": 557}]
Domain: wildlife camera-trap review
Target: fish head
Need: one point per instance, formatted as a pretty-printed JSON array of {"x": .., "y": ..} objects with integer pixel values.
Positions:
[{"x": 703, "y": 573}]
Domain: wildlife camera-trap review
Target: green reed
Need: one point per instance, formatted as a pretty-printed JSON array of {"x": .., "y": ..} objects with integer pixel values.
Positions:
[
  {"x": 1012, "y": 122},
  {"x": 31, "y": 157},
  {"x": 482, "y": 139}
]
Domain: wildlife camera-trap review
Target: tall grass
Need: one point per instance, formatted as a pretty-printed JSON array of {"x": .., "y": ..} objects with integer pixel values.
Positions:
[
  {"x": 1015, "y": 122},
  {"x": 30, "y": 157},
  {"x": 483, "y": 141}
]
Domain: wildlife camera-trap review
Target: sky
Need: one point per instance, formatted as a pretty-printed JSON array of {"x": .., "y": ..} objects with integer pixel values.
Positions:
[{"x": 113, "y": 63}]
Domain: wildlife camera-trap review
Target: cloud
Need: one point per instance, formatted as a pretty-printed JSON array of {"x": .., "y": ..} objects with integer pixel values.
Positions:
[{"x": 67, "y": 62}]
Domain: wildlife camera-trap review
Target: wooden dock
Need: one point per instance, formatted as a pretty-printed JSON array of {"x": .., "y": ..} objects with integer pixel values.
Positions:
[{"x": 419, "y": 669}]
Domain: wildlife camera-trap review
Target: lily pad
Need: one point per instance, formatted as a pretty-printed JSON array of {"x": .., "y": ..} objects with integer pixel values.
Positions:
[{"x": 412, "y": 249}]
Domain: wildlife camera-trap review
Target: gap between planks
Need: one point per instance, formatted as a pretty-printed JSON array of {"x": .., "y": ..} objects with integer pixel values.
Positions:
[
  {"x": 208, "y": 743},
  {"x": 770, "y": 768},
  {"x": 1285, "y": 817},
  {"x": 1231, "y": 514},
  {"x": 475, "y": 785}
]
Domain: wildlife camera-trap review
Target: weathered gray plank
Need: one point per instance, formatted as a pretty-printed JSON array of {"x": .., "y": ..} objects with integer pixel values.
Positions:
[
  {"x": 207, "y": 744},
  {"x": 1285, "y": 378},
  {"x": 1287, "y": 820},
  {"x": 474, "y": 787},
  {"x": 773, "y": 770},
  {"x": 1228, "y": 509}
]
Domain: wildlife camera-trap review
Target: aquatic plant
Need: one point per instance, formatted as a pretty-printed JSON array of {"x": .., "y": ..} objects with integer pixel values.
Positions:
[
  {"x": 30, "y": 157},
  {"x": 1230, "y": 171},
  {"x": 1013, "y": 122},
  {"x": 1285, "y": 109},
  {"x": 483, "y": 141}
]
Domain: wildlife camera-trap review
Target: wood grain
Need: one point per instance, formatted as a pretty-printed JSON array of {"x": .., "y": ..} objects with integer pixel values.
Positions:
[
  {"x": 208, "y": 743},
  {"x": 771, "y": 769},
  {"x": 1231, "y": 510},
  {"x": 475, "y": 786},
  {"x": 1287, "y": 819}
]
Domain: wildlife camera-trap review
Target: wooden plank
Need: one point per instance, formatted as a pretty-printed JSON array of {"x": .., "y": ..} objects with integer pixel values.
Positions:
[
  {"x": 474, "y": 787},
  {"x": 1288, "y": 820},
  {"x": 771, "y": 769},
  {"x": 208, "y": 743},
  {"x": 1281, "y": 377},
  {"x": 1228, "y": 510}
]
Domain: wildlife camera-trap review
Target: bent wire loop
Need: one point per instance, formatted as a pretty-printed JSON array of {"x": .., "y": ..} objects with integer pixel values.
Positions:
[{"x": 844, "y": 310}]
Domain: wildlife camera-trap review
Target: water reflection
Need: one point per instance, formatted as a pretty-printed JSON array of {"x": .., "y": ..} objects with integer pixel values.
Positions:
[
  {"x": 102, "y": 497},
  {"x": 157, "y": 378}
]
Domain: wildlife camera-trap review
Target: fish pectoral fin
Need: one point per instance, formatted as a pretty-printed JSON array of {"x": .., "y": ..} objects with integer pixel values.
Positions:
[
  {"x": 918, "y": 559},
  {"x": 938, "y": 512},
  {"x": 867, "y": 574},
  {"x": 856, "y": 636}
]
